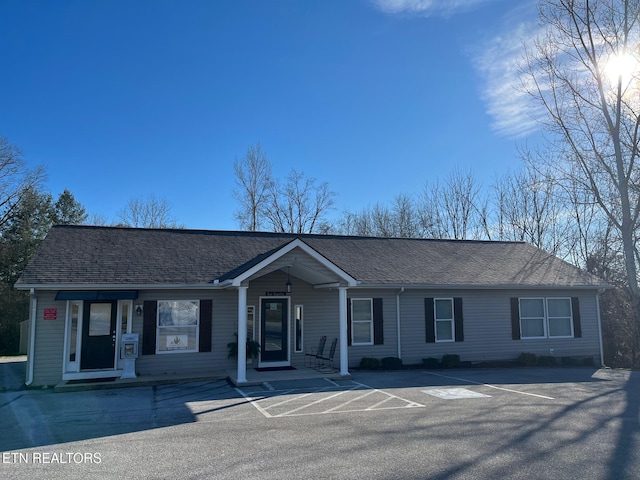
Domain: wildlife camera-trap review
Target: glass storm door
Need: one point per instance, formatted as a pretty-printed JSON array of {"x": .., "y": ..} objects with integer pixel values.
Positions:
[
  {"x": 274, "y": 330},
  {"x": 98, "y": 335}
]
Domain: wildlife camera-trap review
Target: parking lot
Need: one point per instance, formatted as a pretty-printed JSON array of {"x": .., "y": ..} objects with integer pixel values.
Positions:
[{"x": 473, "y": 423}]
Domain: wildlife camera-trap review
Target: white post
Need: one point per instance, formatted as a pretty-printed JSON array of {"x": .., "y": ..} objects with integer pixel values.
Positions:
[
  {"x": 242, "y": 335},
  {"x": 344, "y": 354}
]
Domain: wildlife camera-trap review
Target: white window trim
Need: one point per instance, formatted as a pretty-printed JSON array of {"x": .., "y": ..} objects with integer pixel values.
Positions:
[
  {"x": 549, "y": 318},
  {"x": 451, "y": 320},
  {"x": 251, "y": 313},
  {"x": 69, "y": 366},
  {"x": 158, "y": 327},
  {"x": 370, "y": 322},
  {"x": 295, "y": 320},
  {"x": 546, "y": 318}
]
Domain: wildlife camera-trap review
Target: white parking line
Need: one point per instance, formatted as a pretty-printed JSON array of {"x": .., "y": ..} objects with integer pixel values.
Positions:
[
  {"x": 491, "y": 386},
  {"x": 266, "y": 409},
  {"x": 412, "y": 404},
  {"x": 316, "y": 402}
]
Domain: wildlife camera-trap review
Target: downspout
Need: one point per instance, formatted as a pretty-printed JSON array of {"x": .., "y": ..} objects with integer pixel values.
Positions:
[
  {"x": 32, "y": 336},
  {"x": 398, "y": 320},
  {"x": 600, "y": 328}
]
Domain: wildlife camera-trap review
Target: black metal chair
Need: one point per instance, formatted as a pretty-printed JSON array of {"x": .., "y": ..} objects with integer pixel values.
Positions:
[
  {"x": 327, "y": 362},
  {"x": 311, "y": 358}
]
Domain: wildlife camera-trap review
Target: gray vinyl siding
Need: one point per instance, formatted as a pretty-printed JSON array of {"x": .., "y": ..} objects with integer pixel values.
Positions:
[
  {"x": 225, "y": 307},
  {"x": 390, "y": 346},
  {"x": 487, "y": 327},
  {"x": 49, "y": 341}
]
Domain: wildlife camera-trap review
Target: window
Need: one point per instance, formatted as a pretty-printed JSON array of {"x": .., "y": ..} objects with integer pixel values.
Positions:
[
  {"x": 362, "y": 321},
  {"x": 73, "y": 331},
  {"x": 178, "y": 326},
  {"x": 546, "y": 318},
  {"x": 559, "y": 316},
  {"x": 443, "y": 314},
  {"x": 299, "y": 330},
  {"x": 251, "y": 329},
  {"x": 532, "y": 322}
]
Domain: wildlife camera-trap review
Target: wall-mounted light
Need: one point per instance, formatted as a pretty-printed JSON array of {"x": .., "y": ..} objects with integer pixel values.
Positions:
[
  {"x": 138, "y": 310},
  {"x": 288, "y": 284}
]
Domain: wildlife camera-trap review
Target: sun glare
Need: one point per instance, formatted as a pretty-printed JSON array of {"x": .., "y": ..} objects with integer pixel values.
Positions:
[{"x": 624, "y": 68}]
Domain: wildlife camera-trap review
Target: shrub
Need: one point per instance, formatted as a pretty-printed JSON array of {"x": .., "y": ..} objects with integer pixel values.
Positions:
[
  {"x": 391, "y": 363},
  {"x": 527, "y": 359},
  {"x": 431, "y": 362},
  {"x": 569, "y": 361},
  {"x": 546, "y": 361},
  {"x": 369, "y": 363},
  {"x": 451, "y": 361}
]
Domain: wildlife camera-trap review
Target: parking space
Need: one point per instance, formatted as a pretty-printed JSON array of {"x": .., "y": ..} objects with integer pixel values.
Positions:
[
  {"x": 455, "y": 424},
  {"x": 343, "y": 397}
]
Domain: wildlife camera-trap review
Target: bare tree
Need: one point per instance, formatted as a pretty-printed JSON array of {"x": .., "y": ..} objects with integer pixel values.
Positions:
[
  {"x": 299, "y": 205},
  {"x": 16, "y": 179},
  {"x": 457, "y": 210},
  {"x": 254, "y": 183},
  {"x": 593, "y": 110},
  {"x": 149, "y": 212},
  {"x": 529, "y": 207}
]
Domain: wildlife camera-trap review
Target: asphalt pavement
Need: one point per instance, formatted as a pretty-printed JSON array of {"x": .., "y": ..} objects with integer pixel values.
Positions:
[{"x": 543, "y": 423}]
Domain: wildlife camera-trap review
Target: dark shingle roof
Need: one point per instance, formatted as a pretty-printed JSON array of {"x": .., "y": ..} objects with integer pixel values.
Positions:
[{"x": 127, "y": 256}]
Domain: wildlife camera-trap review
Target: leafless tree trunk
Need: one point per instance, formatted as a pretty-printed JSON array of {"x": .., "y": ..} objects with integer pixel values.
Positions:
[
  {"x": 254, "y": 183},
  {"x": 594, "y": 112}
]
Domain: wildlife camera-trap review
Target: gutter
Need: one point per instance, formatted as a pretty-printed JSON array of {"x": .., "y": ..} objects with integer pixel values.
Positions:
[
  {"x": 600, "y": 328},
  {"x": 32, "y": 336},
  {"x": 400, "y": 292}
]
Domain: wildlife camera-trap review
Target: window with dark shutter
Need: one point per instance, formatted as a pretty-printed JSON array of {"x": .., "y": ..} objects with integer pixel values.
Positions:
[
  {"x": 204, "y": 338},
  {"x": 458, "y": 319},
  {"x": 575, "y": 311},
  {"x": 429, "y": 320},
  {"x": 378, "y": 324},
  {"x": 149, "y": 327},
  {"x": 515, "y": 318}
]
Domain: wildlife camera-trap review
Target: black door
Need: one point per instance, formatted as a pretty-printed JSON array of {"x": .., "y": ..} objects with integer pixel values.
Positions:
[
  {"x": 274, "y": 333},
  {"x": 98, "y": 335}
]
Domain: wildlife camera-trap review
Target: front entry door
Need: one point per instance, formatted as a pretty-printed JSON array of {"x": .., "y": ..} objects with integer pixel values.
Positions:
[
  {"x": 274, "y": 330},
  {"x": 98, "y": 335}
]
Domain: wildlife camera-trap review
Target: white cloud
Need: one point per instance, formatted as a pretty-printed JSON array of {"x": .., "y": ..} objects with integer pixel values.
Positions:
[
  {"x": 427, "y": 8},
  {"x": 514, "y": 113}
]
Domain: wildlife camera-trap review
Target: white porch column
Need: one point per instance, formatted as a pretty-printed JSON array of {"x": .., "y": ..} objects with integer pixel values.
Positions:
[
  {"x": 344, "y": 354},
  {"x": 242, "y": 335}
]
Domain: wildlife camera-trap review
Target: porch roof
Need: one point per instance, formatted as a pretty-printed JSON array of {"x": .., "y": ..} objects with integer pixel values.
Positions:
[{"x": 86, "y": 256}]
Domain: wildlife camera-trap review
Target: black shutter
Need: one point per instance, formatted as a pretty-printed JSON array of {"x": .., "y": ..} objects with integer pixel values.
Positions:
[
  {"x": 515, "y": 319},
  {"x": 378, "y": 327},
  {"x": 458, "y": 319},
  {"x": 348, "y": 321},
  {"x": 429, "y": 317},
  {"x": 575, "y": 309},
  {"x": 204, "y": 340},
  {"x": 149, "y": 327}
]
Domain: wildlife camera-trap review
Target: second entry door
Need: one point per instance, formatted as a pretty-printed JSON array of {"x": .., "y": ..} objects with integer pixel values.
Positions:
[{"x": 274, "y": 320}]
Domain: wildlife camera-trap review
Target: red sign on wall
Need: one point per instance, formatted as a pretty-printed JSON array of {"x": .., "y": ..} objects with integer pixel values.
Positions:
[{"x": 50, "y": 313}]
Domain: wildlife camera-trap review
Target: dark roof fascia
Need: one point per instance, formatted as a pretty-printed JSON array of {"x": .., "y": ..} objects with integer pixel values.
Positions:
[
  {"x": 120, "y": 286},
  {"x": 452, "y": 286}
]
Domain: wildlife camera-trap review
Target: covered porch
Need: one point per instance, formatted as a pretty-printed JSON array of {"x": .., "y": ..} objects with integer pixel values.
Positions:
[{"x": 302, "y": 263}]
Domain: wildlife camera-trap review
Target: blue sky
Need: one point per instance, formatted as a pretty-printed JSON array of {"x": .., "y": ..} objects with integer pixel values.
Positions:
[{"x": 121, "y": 99}]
